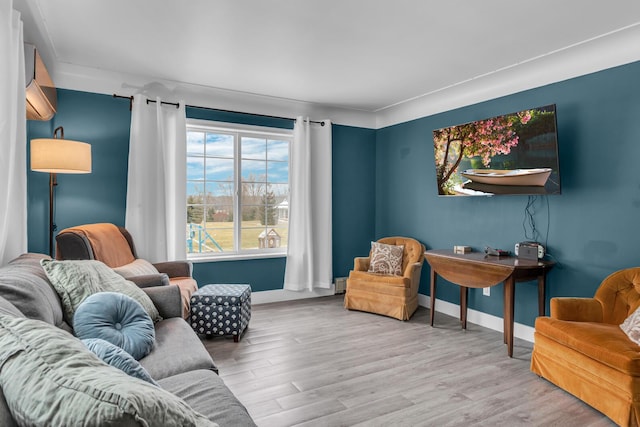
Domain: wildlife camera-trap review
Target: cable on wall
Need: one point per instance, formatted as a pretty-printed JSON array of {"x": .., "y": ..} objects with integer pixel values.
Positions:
[
  {"x": 531, "y": 231},
  {"x": 529, "y": 222}
]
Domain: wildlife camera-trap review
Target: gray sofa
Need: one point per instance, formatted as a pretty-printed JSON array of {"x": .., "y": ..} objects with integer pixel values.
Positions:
[{"x": 179, "y": 361}]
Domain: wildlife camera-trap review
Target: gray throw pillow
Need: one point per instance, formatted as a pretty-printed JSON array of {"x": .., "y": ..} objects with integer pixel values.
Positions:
[
  {"x": 76, "y": 280},
  {"x": 48, "y": 377},
  {"x": 7, "y": 308}
]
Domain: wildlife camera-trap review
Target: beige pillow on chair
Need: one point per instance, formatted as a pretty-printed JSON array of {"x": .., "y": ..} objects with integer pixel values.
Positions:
[{"x": 386, "y": 259}]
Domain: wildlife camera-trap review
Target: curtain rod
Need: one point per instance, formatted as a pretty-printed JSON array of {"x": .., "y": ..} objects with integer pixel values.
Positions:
[{"x": 130, "y": 98}]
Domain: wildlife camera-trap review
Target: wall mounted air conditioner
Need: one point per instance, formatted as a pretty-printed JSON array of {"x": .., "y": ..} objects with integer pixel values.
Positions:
[{"x": 41, "y": 94}]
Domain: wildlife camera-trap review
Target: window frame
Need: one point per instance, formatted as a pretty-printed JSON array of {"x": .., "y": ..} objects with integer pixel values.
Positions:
[{"x": 239, "y": 131}]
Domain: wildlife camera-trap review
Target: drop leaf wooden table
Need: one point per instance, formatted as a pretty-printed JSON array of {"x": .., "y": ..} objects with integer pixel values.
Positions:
[{"x": 478, "y": 270}]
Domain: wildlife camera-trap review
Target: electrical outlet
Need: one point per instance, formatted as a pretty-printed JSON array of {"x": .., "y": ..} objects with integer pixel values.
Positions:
[{"x": 486, "y": 292}]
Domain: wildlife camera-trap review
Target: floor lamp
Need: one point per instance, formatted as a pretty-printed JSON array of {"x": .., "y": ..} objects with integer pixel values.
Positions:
[{"x": 58, "y": 155}]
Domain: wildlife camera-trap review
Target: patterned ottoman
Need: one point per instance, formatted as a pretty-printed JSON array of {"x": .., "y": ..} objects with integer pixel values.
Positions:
[{"x": 221, "y": 310}]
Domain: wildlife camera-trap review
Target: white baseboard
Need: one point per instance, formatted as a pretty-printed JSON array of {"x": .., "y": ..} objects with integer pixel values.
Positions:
[
  {"x": 523, "y": 332},
  {"x": 264, "y": 297}
]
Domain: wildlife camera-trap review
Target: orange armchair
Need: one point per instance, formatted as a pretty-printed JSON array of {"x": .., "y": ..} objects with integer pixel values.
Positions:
[
  {"x": 114, "y": 246},
  {"x": 390, "y": 295},
  {"x": 581, "y": 348}
]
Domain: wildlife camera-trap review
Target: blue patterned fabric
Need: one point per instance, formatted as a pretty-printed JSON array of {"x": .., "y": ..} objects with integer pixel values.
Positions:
[
  {"x": 221, "y": 310},
  {"x": 118, "y": 358},
  {"x": 118, "y": 319}
]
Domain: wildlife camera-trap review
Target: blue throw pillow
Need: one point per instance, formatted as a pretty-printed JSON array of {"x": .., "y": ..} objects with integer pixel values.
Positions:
[
  {"x": 118, "y": 319},
  {"x": 118, "y": 358}
]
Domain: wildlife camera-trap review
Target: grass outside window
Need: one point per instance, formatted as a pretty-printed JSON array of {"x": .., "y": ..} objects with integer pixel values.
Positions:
[{"x": 222, "y": 234}]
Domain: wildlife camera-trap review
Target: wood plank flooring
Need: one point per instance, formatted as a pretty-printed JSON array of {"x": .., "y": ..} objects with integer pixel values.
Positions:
[{"x": 313, "y": 363}]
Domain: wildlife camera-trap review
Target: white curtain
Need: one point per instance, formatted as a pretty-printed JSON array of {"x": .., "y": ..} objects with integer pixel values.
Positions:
[
  {"x": 13, "y": 139},
  {"x": 156, "y": 213},
  {"x": 309, "y": 253}
]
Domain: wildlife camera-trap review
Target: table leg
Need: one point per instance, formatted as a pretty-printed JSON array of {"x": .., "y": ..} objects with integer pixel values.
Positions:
[
  {"x": 464, "y": 296},
  {"x": 433, "y": 294},
  {"x": 505, "y": 326},
  {"x": 541, "y": 294},
  {"x": 509, "y": 291}
]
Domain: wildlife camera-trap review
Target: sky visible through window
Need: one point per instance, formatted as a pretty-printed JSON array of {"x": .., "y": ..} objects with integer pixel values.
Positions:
[{"x": 219, "y": 153}]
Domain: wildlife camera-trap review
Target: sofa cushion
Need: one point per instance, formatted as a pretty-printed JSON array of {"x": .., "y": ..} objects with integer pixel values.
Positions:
[
  {"x": 177, "y": 350},
  {"x": 199, "y": 388},
  {"x": 386, "y": 259},
  {"x": 6, "y": 419},
  {"x": 600, "y": 341},
  {"x": 113, "y": 355},
  {"x": 7, "y": 308},
  {"x": 76, "y": 280},
  {"x": 118, "y": 319},
  {"x": 49, "y": 378},
  {"x": 24, "y": 284},
  {"x": 166, "y": 299},
  {"x": 139, "y": 267},
  {"x": 380, "y": 283}
]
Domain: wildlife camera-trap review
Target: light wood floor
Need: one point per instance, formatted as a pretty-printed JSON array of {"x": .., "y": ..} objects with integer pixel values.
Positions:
[{"x": 313, "y": 363}]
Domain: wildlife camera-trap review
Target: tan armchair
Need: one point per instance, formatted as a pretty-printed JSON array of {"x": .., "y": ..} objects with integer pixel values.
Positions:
[
  {"x": 389, "y": 295},
  {"x": 113, "y": 245},
  {"x": 582, "y": 349}
]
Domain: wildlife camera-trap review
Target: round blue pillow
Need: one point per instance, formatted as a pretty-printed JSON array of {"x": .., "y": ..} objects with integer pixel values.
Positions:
[
  {"x": 118, "y": 319},
  {"x": 118, "y": 358}
]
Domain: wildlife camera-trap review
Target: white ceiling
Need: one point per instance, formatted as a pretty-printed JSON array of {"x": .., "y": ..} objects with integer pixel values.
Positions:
[{"x": 365, "y": 55}]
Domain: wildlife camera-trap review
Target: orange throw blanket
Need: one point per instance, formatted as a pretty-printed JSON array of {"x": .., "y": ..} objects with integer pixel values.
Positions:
[{"x": 108, "y": 244}]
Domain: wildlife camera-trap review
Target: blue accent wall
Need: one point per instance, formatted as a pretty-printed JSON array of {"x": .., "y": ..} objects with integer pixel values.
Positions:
[
  {"x": 104, "y": 122},
  {"x": 592, "y": 226},
  {"x": 354, "y": 195},
  {"x": 384, "y": 184}
]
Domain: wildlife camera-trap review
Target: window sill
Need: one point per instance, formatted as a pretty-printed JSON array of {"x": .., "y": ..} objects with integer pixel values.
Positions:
[{"x": 235, "y": 257}]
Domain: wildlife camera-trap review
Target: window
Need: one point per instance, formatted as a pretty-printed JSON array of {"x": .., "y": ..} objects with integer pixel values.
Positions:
[{"x": 237, "y": 190}]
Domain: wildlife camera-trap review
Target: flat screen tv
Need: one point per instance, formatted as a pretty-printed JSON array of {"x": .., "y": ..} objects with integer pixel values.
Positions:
[{"x": 515, "y": 153}]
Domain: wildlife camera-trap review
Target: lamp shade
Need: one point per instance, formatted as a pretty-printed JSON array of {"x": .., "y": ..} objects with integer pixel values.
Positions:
[{"x": 60, "y": 156}]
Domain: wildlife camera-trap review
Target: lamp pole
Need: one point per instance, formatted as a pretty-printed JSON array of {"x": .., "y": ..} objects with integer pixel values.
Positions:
[
  {"x": 53, "y": 182},
  {"x": 52, "y": 226}
]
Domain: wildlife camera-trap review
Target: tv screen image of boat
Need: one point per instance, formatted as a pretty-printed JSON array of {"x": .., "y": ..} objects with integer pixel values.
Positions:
[{"x": 515, "y": 153}]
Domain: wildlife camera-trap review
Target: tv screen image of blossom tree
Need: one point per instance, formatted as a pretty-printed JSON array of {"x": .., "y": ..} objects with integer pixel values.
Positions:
[{"x": 515, "y": 153}]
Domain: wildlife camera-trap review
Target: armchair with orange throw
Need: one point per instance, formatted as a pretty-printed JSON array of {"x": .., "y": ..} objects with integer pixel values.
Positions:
[
  {"x": 582, "y": 348},
  {"x": 387, "y": 281},
  {"x": 113, "y": 245}
]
